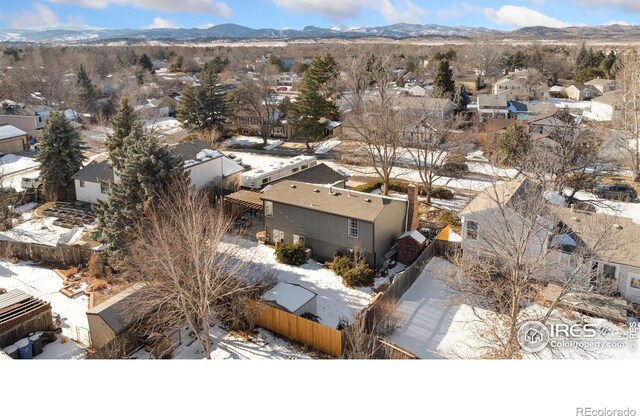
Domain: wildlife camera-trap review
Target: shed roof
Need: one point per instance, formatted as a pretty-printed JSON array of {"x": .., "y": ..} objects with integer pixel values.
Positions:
[
  {"x": 289, "y": 296},
  {"x": 115, "y": 311},
  {"x": 8, "y": 132},
  {"x": 16, "y": 303},
  {"x": 416, "y": 235},
  {"x": 330, "y": 200}
]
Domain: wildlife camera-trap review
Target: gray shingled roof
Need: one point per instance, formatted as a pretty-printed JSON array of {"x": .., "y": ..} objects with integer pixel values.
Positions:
[
  {"x": 95, "y": 171},
  {"x": 341, "y": 202},
  {"x": 320, "y": 174},
  {"x": 8, "y": 132}
]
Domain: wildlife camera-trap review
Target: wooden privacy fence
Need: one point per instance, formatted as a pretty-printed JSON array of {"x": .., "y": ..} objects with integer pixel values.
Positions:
[
  {"x": 313, "y": 334},
  {"x": 67, "y": 255}
]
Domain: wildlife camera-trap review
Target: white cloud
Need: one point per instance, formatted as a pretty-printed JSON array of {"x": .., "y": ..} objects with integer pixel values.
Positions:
[
  {"x": 521, "y": 16},
  {"x": 617, "y": 22},
  {"x": 160, "y": 23},
  {"x": 41, "y": 16},
  {"x": 631, "y": 5},
  {"x": 394, "y": 11},
  {"x": 212, "y": 7}
]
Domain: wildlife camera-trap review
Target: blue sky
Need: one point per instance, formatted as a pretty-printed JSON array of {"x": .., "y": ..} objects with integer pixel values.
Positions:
[{"x": 326, "y": 13}]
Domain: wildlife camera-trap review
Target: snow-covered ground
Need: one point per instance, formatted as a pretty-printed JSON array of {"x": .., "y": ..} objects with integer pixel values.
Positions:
[
  {"x": 321, "y": 148},
  {"x": 250, "y": 141},
  {"x": 605, "y": 206},
  {"x": 97, "y": 133},
  {"x": 163, "y": 126},
  {"x": 15, "y": 180},
  {"x": 45, "y": 284},
  {"x": 227, "y": 346},
  {"x": 471, "y": 184},
  {"x": 11, "y": 164},
  {"x": 490, "y": 170},
  {"x": 434, "y": 324},
  {"x": 39, "y": 230},
  {"x": 334, "y": 300}
]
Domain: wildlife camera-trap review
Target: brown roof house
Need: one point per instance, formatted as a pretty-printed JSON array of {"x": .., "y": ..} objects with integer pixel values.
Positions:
[{"x": 331, "y": 220}]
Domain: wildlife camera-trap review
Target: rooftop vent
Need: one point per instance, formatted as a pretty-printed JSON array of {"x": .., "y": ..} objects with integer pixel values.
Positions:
[
  {"x": 368, "y": 200},
  {"x": 316, "y": 190},
  {"x": 293, "y": 187},
  {"x": 617, "y": 226}
]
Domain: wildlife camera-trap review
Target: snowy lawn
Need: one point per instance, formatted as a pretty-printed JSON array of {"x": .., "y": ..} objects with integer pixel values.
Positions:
[
  {"x": 10, "y": 164},
  {"x": 471, "y": 184},
  {"x": 228, "y": 346},
  {"x": 15, "y": 180},
  {"x": 45, "y": 284},
  {"x": 436, "y": 325},
  {"x": 163, "y": 126},
  {"x": 39, "y": 230},
  {"x": 605, "y": 206},
  {"x": 334, "y": 300},
  {"x": 251, "y": 141}
]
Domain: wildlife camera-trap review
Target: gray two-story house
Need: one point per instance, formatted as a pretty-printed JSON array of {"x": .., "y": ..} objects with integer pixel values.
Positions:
[{"x": 331, "y": 220}]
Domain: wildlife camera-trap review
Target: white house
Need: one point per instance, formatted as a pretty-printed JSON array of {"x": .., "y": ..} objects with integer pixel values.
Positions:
[
  {"x": 492, "y": 106},
  {"x": 495, "y": 215},
  {"x": 203, "y": 166},
  {"x": 582, "y": 92},
  {"x": 603, "y": 85},
  {"x": 603, "y": 108}
]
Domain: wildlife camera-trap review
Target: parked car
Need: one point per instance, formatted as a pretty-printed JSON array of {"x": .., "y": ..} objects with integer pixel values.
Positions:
[{"x": 620, "y": 192}]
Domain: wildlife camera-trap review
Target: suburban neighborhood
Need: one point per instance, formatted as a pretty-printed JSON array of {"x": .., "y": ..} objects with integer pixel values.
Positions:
[{"x": 317, "y": 201}]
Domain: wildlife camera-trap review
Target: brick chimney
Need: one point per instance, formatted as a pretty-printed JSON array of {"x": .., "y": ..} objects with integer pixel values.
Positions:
[{"x": 412, "y": 208}]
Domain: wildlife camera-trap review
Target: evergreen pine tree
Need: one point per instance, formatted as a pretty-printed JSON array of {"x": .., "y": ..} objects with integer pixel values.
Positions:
[
  {"x": 123, "y": 124},
  {"x": 306, "y": 112},
  {"x": 86, "y": 91},
  {"x": 443, "y": 81},
  {"x": 203, "y": 107},
  {"x": 59, "y": 153},
  {"x": 461, "y": 99},
  {"x": 149, "y": 167},
  {"x": 145, "y": 63},
  {"x": 584, "y": 59}
]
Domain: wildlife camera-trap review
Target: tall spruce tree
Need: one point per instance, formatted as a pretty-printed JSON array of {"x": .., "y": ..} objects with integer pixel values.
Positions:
[
  {"x": 148, "y": 168},
  {"x": 124, "y": 123},
  {"x": 59, "y": 153},
  {"x": 203, "y": 107},
  {"x": 305, "y": 114},
  {"x": 443, "y": 82},
  {"x": 86, "y": 90}
]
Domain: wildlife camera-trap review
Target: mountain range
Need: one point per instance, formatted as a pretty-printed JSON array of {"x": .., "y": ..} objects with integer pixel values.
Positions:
[{"x": 234, "y": 32}]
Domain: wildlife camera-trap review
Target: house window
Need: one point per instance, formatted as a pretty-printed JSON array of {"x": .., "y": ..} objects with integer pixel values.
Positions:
[
  {"x": 104, "y": 188},
  {"x": 298, "y": 239},
  {"x": 81, "y": 183},
  {"x": 354, "y": 228},
  {"x": 303, "y": 167},
  {"x": 472, "y": 230},
  {"x": 268, "y": 209},
  {"x": 635, "y": 283},
  {"x": 266, "y": 180},
  {"x": 294, "y": 170}
]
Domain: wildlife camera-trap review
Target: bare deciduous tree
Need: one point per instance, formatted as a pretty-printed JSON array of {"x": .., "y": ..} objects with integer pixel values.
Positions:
[
  {"x": 518, "y": 243},
  {"x": 627, "y": 119},
  {"x": 191, "y": 271}
]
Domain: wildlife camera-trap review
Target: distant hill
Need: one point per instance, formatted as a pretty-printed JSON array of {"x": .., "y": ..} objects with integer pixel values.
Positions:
[{"x": 230, "y": 31}]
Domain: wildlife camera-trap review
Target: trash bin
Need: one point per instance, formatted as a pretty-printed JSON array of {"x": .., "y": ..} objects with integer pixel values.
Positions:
[
  {"x": 36, "y": 344},
  {"x": 12, "y": 351},
  {"x": 24, "y": 349}
]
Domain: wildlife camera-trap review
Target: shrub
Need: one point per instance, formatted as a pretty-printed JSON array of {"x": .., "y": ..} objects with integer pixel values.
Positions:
[
  {"x": 359, "y": 275},
  {"x": 451, "y": 219},
  {"x": 291, "y": 254},
  {"x": 441, "y": 193},
  {"x": 368, "y": 187},
  {"x": 340, "y": 265}
]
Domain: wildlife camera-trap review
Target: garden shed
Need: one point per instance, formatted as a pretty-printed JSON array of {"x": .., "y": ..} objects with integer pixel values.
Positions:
[
  {"x": 292, "y": 298},
  {"x": 410, "y": 245}
]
